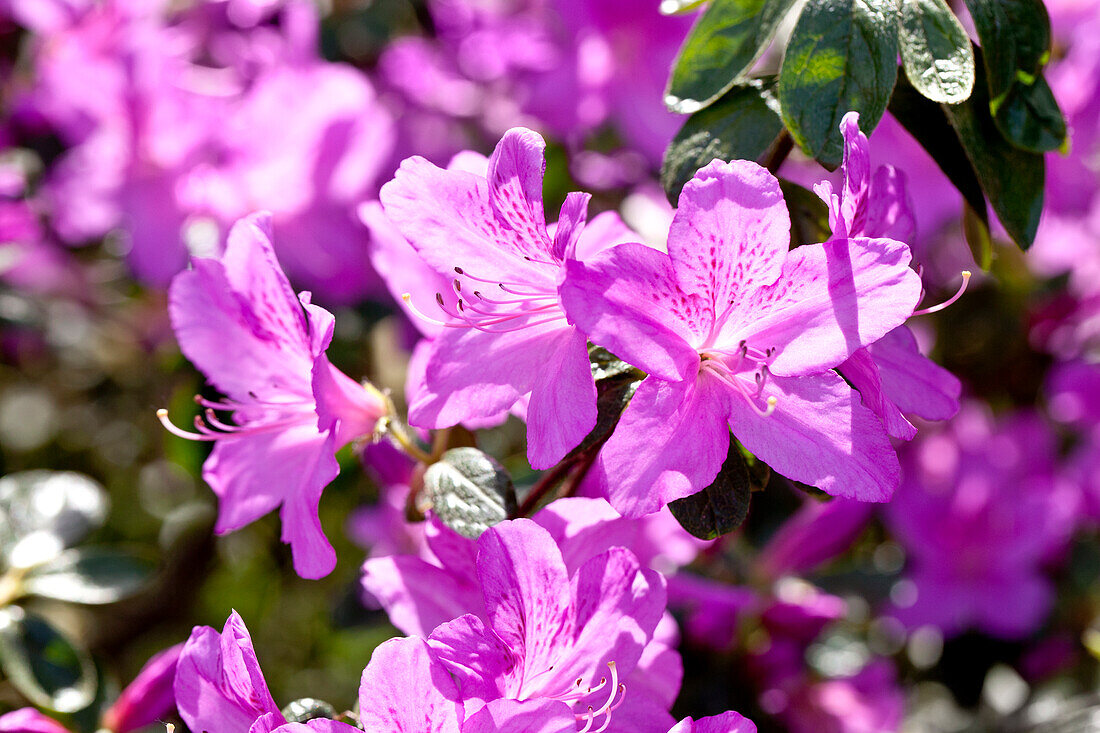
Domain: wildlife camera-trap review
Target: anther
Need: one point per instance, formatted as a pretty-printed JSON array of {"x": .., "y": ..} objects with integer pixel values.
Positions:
[{"x": 949, "y": 301}]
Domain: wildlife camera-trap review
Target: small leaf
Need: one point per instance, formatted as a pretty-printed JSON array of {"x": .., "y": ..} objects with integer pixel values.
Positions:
[
  {"x": 1015, "y": 37},
  {"x": 43, "y": 664},
  {"x": 721, "y": 507},
  {"x": 721, "y": 47},
  {"x": 935, "y": 51},
  {"x": 809, "y": 214},
  {"x": 679, "y": 7},
  {"x": 742, "y": 124},
  {"x": 90, "y": 575},
  {"x": 1011, "y": 178},
  {"x": 44, "y": 512},
  {"x": 927, "y": 122},
  {"x": 842, "y": 56},
  {"x": 470, "y": 491},
  {"x": 1030, "y": 119},
  {"x": 307, "y": 709}
]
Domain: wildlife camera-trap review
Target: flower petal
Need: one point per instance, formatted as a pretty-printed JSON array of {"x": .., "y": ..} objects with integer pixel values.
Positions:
[
  {"x": 405, "y": 689},
  {"x": 627, "y": 300},
  {"x": 683, "y": 428},
  {"x": 820, "y": 434},
  {"x": 562, "y": 409},
  {"x": 570, "y": 224},
  {"x": 862, "y": 373},
  {"x": 832, "y": 299},
  {"x": 527, "y": 592},
  {"x": 516, "y": 170},
  {"x": 484, "y": 667},
  {"x": 529, "y": 716},
  {"x": 417, "y": 595},
  {"x": 916, "y": 384},
  {"x": 730, "y": 233}
]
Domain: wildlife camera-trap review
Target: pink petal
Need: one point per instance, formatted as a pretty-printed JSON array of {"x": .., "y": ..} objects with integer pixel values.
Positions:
[
  {"x": 419, "y": 596},
  {"x": 820, "y": 434},
  {"x": 731, "y": 230},
  {"x": 562, "y": 410},
  {"x": 627, "y": 300},
  {"x": 529, "y": 716},
  {"x": 516, "y": 169},
  {"x": 915, "y": 383},
  {"x": 405, "y": 689},
  {"x": 683, "y": 428},
  {"x": 862, "y": 373}
]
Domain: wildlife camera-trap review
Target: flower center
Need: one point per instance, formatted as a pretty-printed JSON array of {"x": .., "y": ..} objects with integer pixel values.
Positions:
[
  {"x": 615, "y": 698},
  {"x": 733, "y": 368}
]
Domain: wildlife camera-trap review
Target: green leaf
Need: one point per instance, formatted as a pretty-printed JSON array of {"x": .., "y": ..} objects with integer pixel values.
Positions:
[
  {"x": 470, "y": 491},
  {"x": 935, "y": 51},
  {"x": 1015, "y": 37},
  {"x": 976, "y": 233},
  {"x": 726, "y": 40},
  {"x": 1012, "y": 178},
  {"x": 679, "y": 7},
  {"x": 742, "y": 124},
  {"x": 43, "y": 512},
  {"x": 842, "y": 56},
  {"x": 1030, "y": 119},
  {"x": 43, "y": 664},
  {"x": 721, "y": 507},
  {"x": 927, "y": 122},
  {"x": 90, "y": 575},
  {"x": 809, "y": 214},
  {"x": 307, "y": 709}
]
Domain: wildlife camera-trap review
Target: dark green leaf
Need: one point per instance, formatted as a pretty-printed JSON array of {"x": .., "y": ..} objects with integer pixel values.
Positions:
[
  {"x": 616, "y": 382},
  {"x": 842, "y": 56},
  {"x": 43, "y": 512},
  {"x": 976, "y": 232},
  {"x": 927, "y": 122},
  {"x": 307, "y": 709},
  {"x": 1011, "y": 178},
  {"x": 1015, "y": 38},
  {"x": 1029, "y": 117},
  {"x": 742, "y": 124},
  {"x": 470, "y": 491},
  {"x": 43, "y": 664},
  {"x": 809, "y": 214},
  {"x": 90, "y": 575},
  {"x": 935, "y": 51},
  {"x": 679, "y": 7},
  {"x": 721, "y": 507},
  {"x": 726, "y": 40}
]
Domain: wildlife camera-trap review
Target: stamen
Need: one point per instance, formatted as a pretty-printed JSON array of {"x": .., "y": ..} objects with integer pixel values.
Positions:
[
  {"x": 407, "y": 297},
  {"x": 949, "y": 301},
  {"x": 218, "y": 430},
  {"x": 618, "y": 694},
  {"x": 540, "y": 262}
]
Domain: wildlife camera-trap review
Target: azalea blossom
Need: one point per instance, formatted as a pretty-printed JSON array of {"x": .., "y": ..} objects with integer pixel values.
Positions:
[
  {"x": 738, "y": 334},
  {"x": 505, "y": 335},
  {"x": 220, "y": 687},
  {"x": 892, "y": 376},
  {"x": 149, "y": 697},
  {"x": 238, "y": 321}
]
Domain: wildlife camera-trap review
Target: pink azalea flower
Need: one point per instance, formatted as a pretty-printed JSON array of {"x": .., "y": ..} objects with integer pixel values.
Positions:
[
  {"x": 238, "y": 321},
  {"x": 506, "y": 335},
  {"x": 738, "y": 334},
  {"x": 892, "y": 376},
  {"x": 149, "y": 698},
  {"x": 982, "y": 507},
  {"x": 220, "y": 687}
]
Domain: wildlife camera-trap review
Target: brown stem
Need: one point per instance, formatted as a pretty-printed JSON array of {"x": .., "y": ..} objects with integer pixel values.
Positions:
[
  {"x": 778, "y": 152},
  {"x": 546, "y": 482}
]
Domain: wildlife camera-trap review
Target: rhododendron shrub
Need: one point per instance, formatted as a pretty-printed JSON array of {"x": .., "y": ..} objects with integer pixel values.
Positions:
[{"x": 554, "y": 366}]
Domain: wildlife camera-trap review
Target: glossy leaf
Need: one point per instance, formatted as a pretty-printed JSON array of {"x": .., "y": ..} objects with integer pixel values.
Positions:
[
  {"x": 721, "y": 507},
  {"x": 1030, "y": 119},
  {"x": 1015, "y": 37},
  {"x": 43, "y": 664},
  {"x": 927, "y": 122},
  {"x": 978, "y": 238},
  {"x": 809, "y": 214},
  {"x": 44, "y": 512},
  {"x": 935, "y": 51},
  {"x": 742, "y": 124},
  {"x": 90, "y": 575},
  {"x": 470, "y": 491},
  {"x": 307, "y": 709},
  {"x": 1011, "y": 178},
  {"x": 842, "y": 56},
  {"x": 721, "y": 47}
]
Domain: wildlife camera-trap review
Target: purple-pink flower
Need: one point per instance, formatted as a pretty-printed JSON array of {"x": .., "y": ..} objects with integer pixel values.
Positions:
[
  {"x": 238, "y": 321},
  {"x": 738, "y": 334},
  {"x": 504, "y": 336},
  {"x": 149, "y": 698}
]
